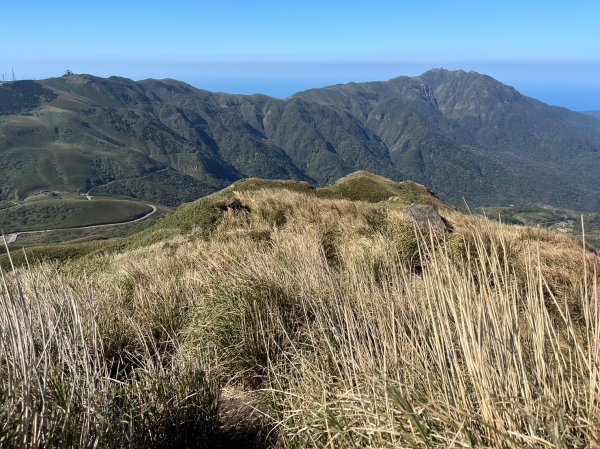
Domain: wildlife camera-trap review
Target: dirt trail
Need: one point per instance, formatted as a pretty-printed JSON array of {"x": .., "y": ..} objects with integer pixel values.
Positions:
[{"x": 242, "y": 425}]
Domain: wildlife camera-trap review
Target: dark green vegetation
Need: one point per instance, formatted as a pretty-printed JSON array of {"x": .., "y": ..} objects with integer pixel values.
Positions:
[
  {"x": 69, "y": 213},
  {"x": 464, "y": 135},
  {"x": 22, "y": 96}
]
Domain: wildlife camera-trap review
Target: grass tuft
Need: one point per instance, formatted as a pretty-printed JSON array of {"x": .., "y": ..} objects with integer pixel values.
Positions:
[{"x": 339, "y": 324}]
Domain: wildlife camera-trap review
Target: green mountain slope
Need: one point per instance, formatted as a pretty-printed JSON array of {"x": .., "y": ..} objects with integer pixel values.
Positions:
[
  {"x": 462, "y": 133},
  {"x": 595, "y": 114},
  {"x": 465, "y": 135}
]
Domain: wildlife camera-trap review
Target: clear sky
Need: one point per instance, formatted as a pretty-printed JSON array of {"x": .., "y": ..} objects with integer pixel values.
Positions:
[{"x": 548, "y": 49}]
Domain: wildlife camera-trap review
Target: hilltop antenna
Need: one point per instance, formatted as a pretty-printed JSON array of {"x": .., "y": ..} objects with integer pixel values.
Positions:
[{"x": 13, "y": 73}]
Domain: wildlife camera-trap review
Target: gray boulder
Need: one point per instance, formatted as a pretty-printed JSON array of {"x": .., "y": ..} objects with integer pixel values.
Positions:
[{"x": 425, "y": 216}]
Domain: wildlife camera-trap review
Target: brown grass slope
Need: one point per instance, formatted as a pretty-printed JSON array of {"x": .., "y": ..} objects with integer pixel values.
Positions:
[
  {"x": 365, "y": 186},
  {"x": 330, "y": 322}
]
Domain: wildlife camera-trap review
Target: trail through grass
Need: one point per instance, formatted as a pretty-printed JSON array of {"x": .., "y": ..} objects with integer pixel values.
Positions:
[{"x": 336, "y": 322}]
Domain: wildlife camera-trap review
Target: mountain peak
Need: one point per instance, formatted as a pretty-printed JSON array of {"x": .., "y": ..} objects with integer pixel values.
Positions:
[
  {"x": 464, "y": 134},
  {"x": 445, "y": 71},
  {"x": 441, "y": 73}
]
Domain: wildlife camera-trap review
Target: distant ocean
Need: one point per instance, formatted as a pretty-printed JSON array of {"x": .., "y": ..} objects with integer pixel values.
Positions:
[{"x": 573, "y": 96}]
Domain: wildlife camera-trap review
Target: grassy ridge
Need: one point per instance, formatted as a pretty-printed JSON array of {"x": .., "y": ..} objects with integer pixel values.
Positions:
[
  {"x": 70, "y": 236},
  {"x": 342, "y": 324},
  {"x": 205, "y": 214},
  {"x": 202, "y": 215},
  {"x": 69, "y": 213},
  {"x": 365, "y": 186}
]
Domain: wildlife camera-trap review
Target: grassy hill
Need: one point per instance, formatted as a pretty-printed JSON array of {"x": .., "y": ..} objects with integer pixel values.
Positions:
[
  {"x": 365, "y": 186},
  {"x": 69, "y": 213},
  {"x": 276, "y": 314},
  {"x": 465, "y": 135},
  {"x": 204, "y": 215}
]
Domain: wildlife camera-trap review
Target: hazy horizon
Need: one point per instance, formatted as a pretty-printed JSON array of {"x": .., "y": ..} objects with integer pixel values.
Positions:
[
  {"x": 546, "y": 49},
  {"x": 281, "y": 79}
]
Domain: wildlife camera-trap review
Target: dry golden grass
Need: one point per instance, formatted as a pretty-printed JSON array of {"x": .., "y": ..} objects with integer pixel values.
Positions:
[{"x": 357, "y": 329}]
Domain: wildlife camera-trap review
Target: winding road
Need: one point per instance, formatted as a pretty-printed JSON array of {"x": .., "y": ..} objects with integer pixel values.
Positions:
[{"x": 11, "y": 238}]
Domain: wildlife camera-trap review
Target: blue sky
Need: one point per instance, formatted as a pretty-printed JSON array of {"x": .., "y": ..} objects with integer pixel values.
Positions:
[{"x": 548, "y": 49}]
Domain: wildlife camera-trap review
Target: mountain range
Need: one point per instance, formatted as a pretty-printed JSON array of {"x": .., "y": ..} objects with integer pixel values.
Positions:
[{"x": 465, "y": 135}]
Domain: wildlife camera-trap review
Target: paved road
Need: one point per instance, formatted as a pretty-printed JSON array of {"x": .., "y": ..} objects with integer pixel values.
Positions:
[{"x": 11, "y": 238}]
